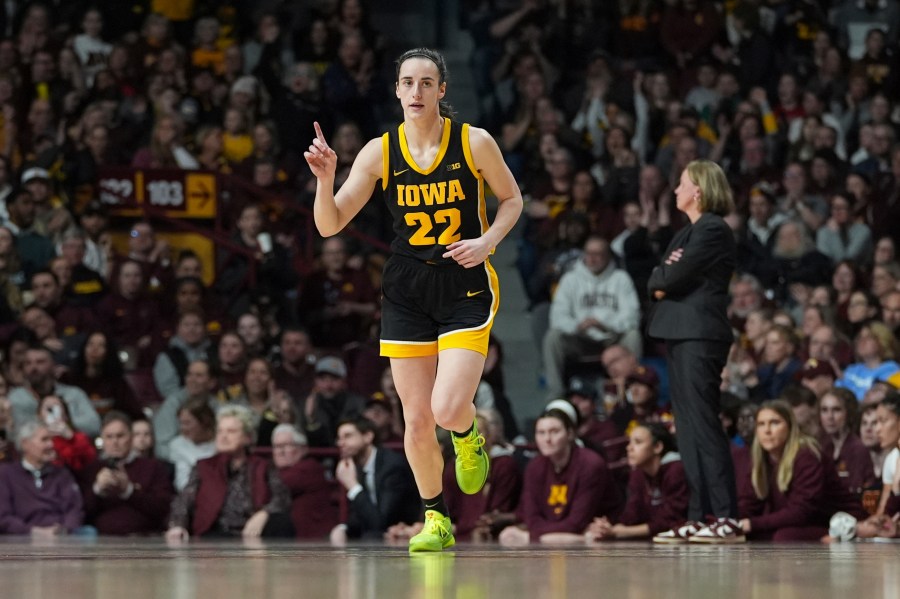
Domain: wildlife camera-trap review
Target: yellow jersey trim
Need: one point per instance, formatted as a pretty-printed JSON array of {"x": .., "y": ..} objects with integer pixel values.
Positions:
[
  {"x": 482, "y": 209},
  {"x": 404, "y": 147},
  {"x": 467, "y": 151},
  {"x": 408, "y": 349},
  {"x": 482, "y": 206},
  {"x": 385, "y": 160},
  {"x": 476, "y": 341}
]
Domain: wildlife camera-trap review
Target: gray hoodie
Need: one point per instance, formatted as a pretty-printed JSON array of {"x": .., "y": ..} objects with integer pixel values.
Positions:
[{"x": 609, "y": 297}]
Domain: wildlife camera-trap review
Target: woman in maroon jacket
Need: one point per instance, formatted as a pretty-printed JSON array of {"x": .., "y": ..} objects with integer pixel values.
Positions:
[
  {"x": 838, "y": 417},
  {"x": 565, "y": 487},
  {"x": 233, "y": 493},
  {"x": 658, "y": 493},
  {"x": 793, "y": 488}
]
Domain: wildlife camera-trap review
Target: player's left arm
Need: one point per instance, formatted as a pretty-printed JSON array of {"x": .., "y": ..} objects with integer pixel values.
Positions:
[{"x": 489, "y": 162}]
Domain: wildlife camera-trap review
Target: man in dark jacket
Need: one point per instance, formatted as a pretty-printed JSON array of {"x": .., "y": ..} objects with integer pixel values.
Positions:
[{"x": 378, "y": 482}]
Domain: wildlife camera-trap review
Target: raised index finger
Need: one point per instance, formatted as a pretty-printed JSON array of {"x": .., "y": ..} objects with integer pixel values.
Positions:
[{"x": 319, "y": 134}]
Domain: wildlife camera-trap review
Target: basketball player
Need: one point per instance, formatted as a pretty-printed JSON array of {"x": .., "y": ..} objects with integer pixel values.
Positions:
[{"x": 440, "y": 293}]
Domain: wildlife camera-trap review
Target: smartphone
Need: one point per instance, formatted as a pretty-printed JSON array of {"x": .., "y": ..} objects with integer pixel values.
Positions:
[{"x": 54, "y": 415}]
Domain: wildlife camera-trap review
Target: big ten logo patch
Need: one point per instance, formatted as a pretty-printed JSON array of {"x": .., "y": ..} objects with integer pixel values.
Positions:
[{"x": 454, "y": 166}]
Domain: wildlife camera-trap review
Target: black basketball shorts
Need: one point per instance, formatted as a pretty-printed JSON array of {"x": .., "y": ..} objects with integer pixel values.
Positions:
[{"x": 426, "y": 307}]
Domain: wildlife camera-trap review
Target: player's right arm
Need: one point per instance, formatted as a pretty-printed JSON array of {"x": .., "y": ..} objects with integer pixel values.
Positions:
[{"x": 333, "y": 211}]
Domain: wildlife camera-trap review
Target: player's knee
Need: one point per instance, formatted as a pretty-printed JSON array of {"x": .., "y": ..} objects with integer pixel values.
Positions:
[
  {"x": 446, "y": 416},
  {"x": 419, "y": 425}
]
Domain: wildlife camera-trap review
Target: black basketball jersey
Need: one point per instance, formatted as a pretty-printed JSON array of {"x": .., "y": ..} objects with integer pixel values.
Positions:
[{"x": 433, "y": 207}]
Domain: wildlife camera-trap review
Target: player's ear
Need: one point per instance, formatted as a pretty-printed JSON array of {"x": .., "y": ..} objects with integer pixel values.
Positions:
[
  {"x": 443, "y": 90},
  {"x": 397, "y": 90}
]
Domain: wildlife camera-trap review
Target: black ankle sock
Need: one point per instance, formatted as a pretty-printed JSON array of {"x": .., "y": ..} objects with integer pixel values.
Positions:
[
  {"x": 465, "y": 434},
  {"x": 437, "y": 504}
]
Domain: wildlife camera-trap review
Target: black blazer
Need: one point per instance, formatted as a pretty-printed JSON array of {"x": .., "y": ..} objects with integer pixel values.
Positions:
[
  {"x": 395, "y": 490},
  {"x": 696, "y": 287}
]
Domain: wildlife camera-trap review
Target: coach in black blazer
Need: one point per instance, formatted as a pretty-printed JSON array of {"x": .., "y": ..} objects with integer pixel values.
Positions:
[
  {"x": 690, "y": 289},
  {"x": 393, "y": 499}
]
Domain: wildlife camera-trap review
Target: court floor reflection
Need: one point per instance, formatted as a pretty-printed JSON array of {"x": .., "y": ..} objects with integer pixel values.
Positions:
[{"x": 150, "y": 569}]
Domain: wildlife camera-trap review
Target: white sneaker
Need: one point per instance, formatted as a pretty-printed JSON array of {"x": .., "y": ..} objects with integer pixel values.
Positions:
[
  {"x": 724, "y": 531},
  {"x": 679, "y": 535}
]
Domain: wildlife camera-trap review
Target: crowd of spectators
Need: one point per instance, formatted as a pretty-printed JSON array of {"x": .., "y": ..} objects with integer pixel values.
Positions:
[
  {"x": 599, "y": 107},
  {"x": 142, "y": 399}
]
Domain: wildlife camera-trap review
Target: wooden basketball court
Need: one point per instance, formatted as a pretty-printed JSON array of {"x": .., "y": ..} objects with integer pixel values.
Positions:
[{"x": 149, "y": 569}]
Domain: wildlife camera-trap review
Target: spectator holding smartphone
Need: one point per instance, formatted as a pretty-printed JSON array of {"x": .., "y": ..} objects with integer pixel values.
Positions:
[{"x": 73, "y": 448}]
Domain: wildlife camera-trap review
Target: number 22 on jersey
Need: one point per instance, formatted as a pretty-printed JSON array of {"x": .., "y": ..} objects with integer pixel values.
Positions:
[{"x": 423, "y": 221}]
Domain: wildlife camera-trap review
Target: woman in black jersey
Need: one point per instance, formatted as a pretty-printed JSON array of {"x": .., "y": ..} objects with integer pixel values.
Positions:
[{"x": 440, "y": 293}]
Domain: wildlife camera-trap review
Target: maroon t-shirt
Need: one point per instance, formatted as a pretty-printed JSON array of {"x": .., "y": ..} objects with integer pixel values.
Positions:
[
  {"x": 567, "y": 501},
  {"x": 599, "y": 431},
  {"x": 660, "y": 501},
  {"x": 853, "y": 464},
  {"x": 500, "y": 493}
]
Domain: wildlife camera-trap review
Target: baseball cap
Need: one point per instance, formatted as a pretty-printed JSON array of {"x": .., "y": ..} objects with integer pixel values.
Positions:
[
  {"x": 35, "y": 173},
  {"x": 644, "y": 375},
  {"x": 580, "y": 386},
  {"x": 331, "y": 365},
  {"x": 813, "y": 368},
  {"x": 378, "y": 399}
]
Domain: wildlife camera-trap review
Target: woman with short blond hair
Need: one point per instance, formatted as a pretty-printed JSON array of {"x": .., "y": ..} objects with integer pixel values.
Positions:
[{"x": 690, "y": 290}]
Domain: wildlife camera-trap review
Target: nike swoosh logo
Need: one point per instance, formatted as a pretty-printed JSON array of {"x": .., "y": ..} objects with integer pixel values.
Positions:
[
  {"x": 398, "y": 173},
  {"x": 473, "y": 293}
]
